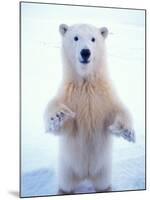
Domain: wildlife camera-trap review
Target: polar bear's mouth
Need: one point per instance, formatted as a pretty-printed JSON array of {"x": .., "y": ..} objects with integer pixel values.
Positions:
[{"x": 84, "y": 61}]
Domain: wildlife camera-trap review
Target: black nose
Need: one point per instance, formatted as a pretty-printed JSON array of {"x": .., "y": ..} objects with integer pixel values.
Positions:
[{"x": 85, "y": 53}]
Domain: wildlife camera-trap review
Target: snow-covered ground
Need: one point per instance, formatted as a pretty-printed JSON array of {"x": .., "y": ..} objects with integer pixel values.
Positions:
[{"x": 41, "y": 75}]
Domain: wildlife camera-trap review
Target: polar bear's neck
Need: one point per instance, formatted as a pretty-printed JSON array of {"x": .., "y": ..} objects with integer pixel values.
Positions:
[{"x": 99, "y": 73}]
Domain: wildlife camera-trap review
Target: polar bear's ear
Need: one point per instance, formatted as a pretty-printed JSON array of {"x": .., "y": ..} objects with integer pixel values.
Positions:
[
  {"x": 63, "y": 29},
  {"x": 104, "y": 31}
]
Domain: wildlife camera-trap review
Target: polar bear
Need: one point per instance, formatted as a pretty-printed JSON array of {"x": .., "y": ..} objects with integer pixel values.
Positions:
[{"x": 86, "y": 110}]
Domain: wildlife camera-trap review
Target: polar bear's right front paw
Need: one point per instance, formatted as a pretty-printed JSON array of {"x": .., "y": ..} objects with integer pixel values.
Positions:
[{"x": 56, "y": 121}]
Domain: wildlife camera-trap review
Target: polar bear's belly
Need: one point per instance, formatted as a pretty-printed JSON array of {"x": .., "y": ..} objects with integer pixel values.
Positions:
[{"x": 85, "y": 156}]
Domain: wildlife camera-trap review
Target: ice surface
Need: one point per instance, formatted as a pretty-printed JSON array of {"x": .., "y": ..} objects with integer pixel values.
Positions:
[{"x": 41, "y": 75}]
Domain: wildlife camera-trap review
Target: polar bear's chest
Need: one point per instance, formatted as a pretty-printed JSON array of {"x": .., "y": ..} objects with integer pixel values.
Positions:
[
  {"x": 91, "y": 107},
  {"x": 90, "y": 112}
]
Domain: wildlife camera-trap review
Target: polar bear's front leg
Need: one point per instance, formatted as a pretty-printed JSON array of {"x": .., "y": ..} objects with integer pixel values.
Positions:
[{"x": 122, "y": 126}]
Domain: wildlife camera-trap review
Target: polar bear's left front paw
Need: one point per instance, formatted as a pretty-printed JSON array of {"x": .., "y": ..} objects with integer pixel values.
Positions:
[{"x": 128, "y": 135}]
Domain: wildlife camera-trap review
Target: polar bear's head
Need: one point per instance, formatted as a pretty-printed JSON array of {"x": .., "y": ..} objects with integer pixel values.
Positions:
[{"x": 83, "y": 47}]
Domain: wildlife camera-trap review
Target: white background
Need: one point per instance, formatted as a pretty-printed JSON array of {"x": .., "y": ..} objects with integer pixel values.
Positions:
[{"x": 9, "y": 151}]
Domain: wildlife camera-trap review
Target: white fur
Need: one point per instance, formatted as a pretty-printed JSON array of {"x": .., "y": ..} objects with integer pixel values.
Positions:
[
  {"x": 72, "y": 49},
  {"x": 80, "y": 159},
  {"x": 83, "y": 155}
]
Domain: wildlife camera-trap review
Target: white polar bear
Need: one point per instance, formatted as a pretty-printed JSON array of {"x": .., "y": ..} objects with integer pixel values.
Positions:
[{"x": 86, "y": 110}]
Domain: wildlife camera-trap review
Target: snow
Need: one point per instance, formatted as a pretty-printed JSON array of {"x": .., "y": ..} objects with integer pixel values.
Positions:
[
  {"x": 128, "y": 173},
  {"x": 41, "y": 75}
]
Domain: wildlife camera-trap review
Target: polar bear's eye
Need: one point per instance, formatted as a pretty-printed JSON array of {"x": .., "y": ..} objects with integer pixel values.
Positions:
[
  {"x": 93, "y": 39},
  {"x": 76, "y": 38}
]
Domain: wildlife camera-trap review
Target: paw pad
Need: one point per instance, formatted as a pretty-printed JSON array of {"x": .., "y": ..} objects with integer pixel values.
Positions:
[
  {"x": 56, "y": 121},
  {"x": 128, "y": 135}
]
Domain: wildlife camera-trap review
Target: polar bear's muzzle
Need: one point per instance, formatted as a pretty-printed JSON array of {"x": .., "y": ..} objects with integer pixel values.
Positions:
[{"x": 85, "y": 55}]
